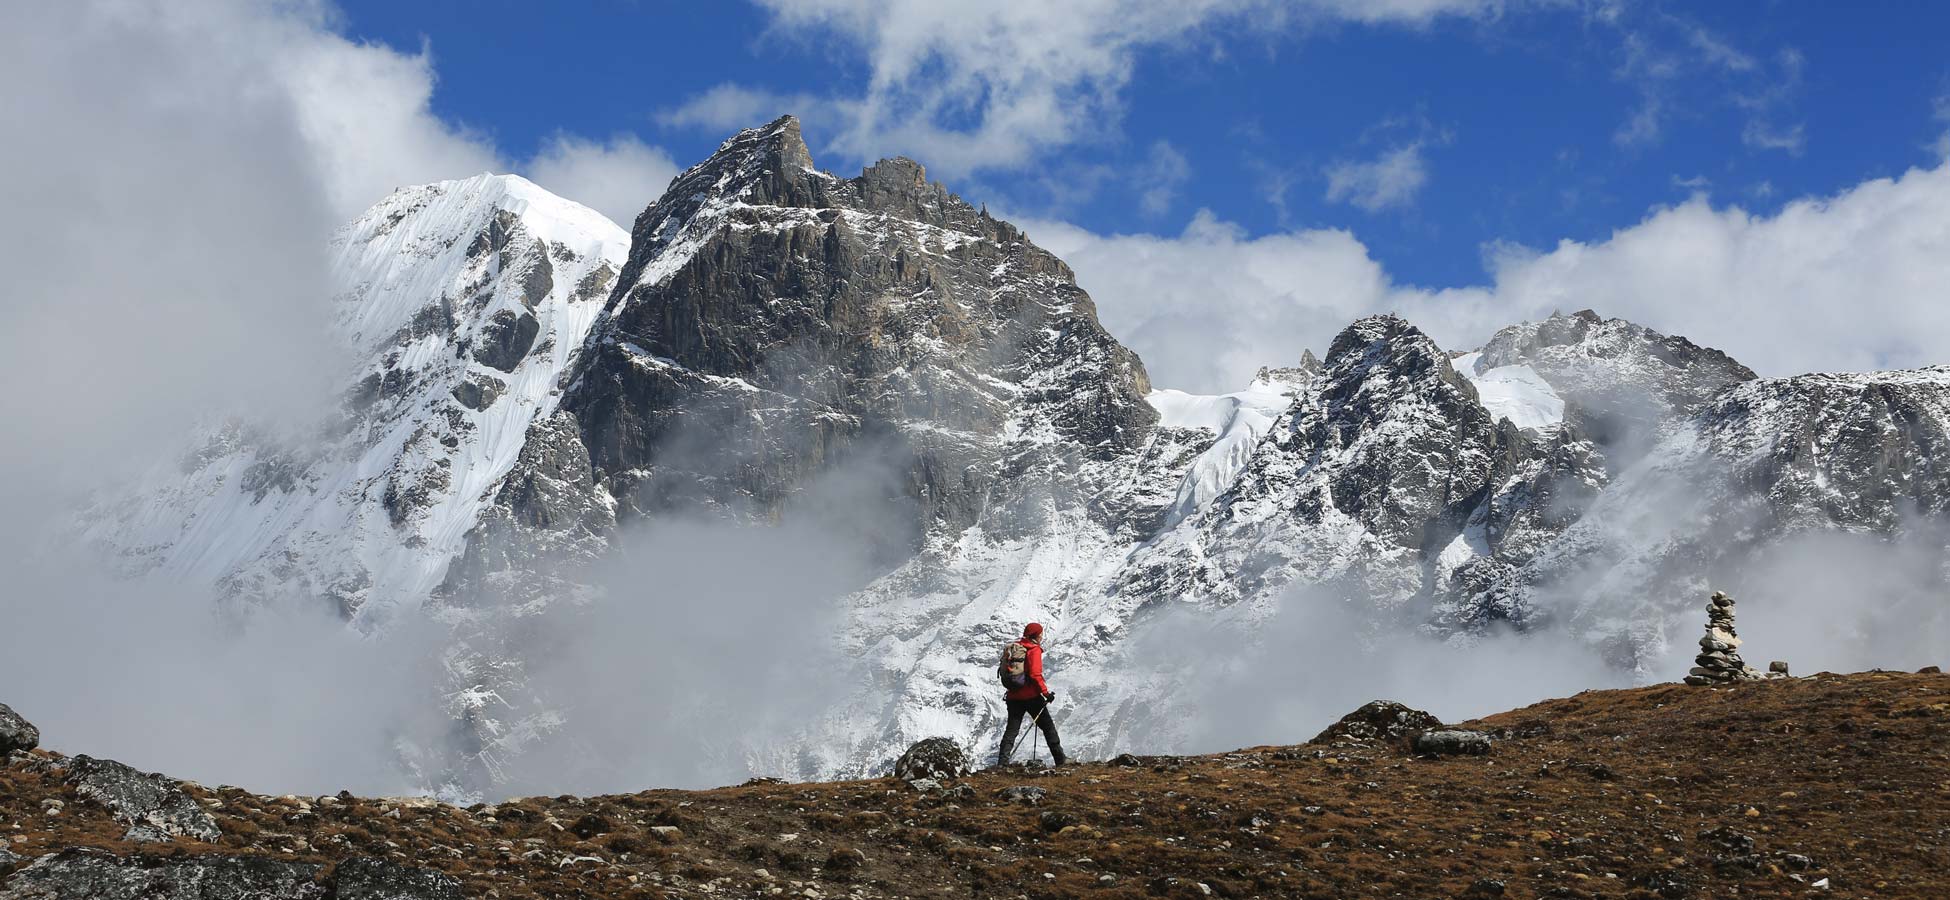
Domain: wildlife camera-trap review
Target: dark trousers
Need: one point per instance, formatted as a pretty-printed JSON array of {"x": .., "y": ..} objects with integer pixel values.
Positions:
[{"x": 1040, "y": 711}]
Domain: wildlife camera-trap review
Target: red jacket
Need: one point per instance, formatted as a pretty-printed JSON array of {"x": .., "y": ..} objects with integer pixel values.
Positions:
[{"x": 1036, "y": 686}]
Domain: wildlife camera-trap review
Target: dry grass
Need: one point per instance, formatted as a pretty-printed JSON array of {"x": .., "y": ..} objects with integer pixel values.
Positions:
[{"x": 1646, "y": 793}]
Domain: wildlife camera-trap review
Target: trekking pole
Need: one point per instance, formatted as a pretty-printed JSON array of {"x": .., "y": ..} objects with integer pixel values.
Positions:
[{"x": 1036, "y": 729}]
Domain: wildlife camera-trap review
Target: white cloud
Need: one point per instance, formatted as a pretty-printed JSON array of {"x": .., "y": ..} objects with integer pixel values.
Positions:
[
  {"x": 1160, "y": 179},
  {"x": 1942, "y": 146},
  {"x": 1208, "y": 307},
  {"x": 1760, "y": 136},
  {"x": 617, "y": 178},
  {"x": 1675, "y": 64},
  {"x": 729, "y": 107},
  {"x": 364, "y": 111},
  {"x": 1389, "y": 180},
  {"x": 971, "y": 86},
  {"x": 1857, "y": 281}
]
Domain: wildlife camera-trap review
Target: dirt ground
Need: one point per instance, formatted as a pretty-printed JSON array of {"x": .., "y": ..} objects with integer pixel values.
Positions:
[{"x": 1826, "y": 786}]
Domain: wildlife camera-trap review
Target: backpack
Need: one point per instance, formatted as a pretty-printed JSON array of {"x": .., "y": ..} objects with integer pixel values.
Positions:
[{"x": 1014, "y": 669}]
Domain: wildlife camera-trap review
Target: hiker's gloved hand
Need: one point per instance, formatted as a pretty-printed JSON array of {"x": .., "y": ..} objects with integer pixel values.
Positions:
[{"x": 1049, "y": 697}]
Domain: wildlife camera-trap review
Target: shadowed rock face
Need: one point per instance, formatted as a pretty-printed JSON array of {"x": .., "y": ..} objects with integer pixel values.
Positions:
[{"x": 775, "y": 323}]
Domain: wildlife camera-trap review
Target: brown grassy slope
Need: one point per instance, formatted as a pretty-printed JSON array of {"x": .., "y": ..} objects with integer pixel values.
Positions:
[{"x": 1651, "y": 792}]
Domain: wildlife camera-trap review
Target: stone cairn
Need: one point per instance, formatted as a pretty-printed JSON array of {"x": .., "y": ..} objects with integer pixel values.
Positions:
[{"x": 1719, "y": 659}]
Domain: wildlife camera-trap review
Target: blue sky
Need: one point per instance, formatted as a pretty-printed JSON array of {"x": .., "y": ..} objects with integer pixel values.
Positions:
[
  {"x": 1510, "y": 126},
  {"x": 1233, "y": 181}
]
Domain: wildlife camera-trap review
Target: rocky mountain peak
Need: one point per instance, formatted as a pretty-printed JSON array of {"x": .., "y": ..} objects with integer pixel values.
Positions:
[
  {"x": 1624, "y": 384},
  {"x": 1377, "y": 361}
]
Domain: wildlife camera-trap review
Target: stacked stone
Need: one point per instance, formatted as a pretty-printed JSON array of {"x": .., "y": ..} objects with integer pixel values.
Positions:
[{"x": 1719, "y": 659}]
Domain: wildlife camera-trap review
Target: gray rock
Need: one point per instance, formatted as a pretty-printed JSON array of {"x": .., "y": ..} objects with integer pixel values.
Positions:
[
  {"x": 479, "y": 391},
  {"x": 924, "y": 785},
  {"x": 936, "y": 758},
  {"x": 505, "y": 339},
  {"x": 1381, "y": 720},
  {"x": 82, "y": 874},
  {"x": 1054, "y": 821},
  {"x": 16, "y": 733},
  {"x": 9, "y": 860},
  {"x": 1778, "y": 667},
  {"x": 1025, "y": 794},
  {"x": 141, "y": 798},
  {"x": 1452, "y": 742},
  {"x": 145, "y": 833},
  {"x": 365, "y": 878}
]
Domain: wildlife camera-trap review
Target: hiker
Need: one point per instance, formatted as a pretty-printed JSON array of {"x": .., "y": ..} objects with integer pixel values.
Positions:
[{"x": 1028, "y": 695}]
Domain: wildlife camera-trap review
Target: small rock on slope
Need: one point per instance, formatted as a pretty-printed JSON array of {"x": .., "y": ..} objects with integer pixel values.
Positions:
[
  {"x": 1381, "y": 720},
  {"x": 937, "y": 758}
]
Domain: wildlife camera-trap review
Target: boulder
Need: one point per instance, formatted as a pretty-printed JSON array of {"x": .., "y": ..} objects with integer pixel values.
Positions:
[
  {"x": 366, "y": 878},
  {"x": 1452, "y": 742},
  {"x": 16, "y": 733},
  {"x": 141, "y": 798},
  {"x": 96, "y": 875},
  {"x": 1024, "y": 794},
  {"x": 937, "y": 758},
  {"x": 1382, "y": 720}
]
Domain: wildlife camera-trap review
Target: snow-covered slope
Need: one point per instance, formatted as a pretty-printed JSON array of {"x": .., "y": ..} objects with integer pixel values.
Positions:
[
  {"x": 1514, "y": 392},
  {"x": 463, "y": 303}
]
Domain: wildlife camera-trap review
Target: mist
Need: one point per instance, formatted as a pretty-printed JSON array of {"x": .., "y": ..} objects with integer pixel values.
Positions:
[
  {"x": 1822, "y": 600},
  {"x": 1319, "y": 654},
  {"x": 147, "y": 671},
  {"x": 712, "y": 644}
]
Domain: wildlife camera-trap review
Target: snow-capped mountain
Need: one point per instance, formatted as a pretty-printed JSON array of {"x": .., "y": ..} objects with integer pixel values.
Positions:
[
  {"x": 462, "y": 302},
  {"x": 536, "y": 383}
]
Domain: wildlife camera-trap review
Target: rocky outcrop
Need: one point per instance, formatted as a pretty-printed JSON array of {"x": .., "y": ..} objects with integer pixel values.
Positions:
[
  {"x": 146, "y": 801},
  {"x": 1379, "y": 722},
  {"x": 16, "y": 733},
  {"x": 939, "y": 759},
  {"x": 86, "y": 874},
  {"x": 96, "y": 875},
  {"x": 366, "y": 878}
]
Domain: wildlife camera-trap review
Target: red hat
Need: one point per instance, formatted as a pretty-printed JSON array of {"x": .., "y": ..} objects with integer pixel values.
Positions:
[{"x": 1032, "y": 630}]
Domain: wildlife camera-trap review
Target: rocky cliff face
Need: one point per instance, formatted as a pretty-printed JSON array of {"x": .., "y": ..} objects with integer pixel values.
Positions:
[
  {"x": 531, "y": 390},
  {"x": 774, "y": 323}
]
